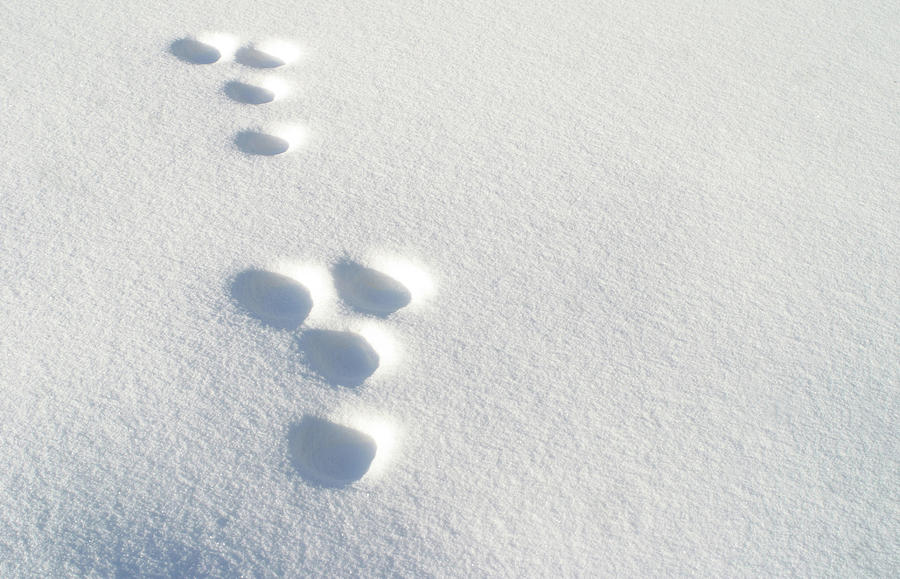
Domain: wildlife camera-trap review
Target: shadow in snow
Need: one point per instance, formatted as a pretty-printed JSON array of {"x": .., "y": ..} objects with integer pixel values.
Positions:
[
  {"x": 342, "y": 358},
  {"x": 329, "y": 454},
  {"x": 248, "y": 94},
  {"x": 276, "y": 299},
  {"x": 194, "y": 51},
  {"x": 254, "y": 143},
  {"x": 253, "y": 57},
  {"x": 367, "y": 290}
]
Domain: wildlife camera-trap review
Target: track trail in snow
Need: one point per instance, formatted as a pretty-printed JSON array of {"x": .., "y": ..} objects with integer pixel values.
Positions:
[
  {"x": 255, "y": 88},
  {"x": 324, "y": 452}
]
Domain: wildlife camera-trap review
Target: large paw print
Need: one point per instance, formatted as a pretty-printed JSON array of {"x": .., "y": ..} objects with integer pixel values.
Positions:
[{"x": 327, "y": 452}]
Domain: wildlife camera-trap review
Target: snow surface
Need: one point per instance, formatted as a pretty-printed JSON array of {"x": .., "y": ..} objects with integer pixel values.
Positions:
[{"x": 651, "y": 249}]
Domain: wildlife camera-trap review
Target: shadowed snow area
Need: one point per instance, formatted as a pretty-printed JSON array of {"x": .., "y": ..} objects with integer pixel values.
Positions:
[
  {"x": 342, "y": 358},
  {"x": 277, "y": 300},
  {"x": 255, "y": 143},
  {"x": 194, "y": 51},
  {"x": 368, "y": 290},
  {"x": 248, "y": 93},
  {"x": 329, "y": 454},
  {"x": 256, "y": 58}
]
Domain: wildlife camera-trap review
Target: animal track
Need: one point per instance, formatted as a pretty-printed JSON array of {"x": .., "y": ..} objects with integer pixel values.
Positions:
[
  {"x": 250, "y": 56},
  {"x": 272, "y": 54},
  {"x": 268, "y": 54},
  {"x": 194, "y": 51},
  {"x": 342, "y": 358},
  {"x": 276, "y": 299},
  {"x": 259, "y": 143},
  {"x": 369, "y": 291},
  {"x": 322, "y": 451},
  {"x": 330, "y": 454},
  {"x": 248, "y": 93}
]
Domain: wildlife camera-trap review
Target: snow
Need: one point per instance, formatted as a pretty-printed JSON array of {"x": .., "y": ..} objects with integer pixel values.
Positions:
[{"x": 650, "y": 252}]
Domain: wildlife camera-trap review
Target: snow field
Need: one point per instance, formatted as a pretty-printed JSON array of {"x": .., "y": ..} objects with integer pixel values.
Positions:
[{"x": 660, "y": 337}]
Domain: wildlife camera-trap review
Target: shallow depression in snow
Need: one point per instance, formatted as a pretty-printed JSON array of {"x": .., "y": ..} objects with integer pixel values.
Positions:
[
  {"x": 329, "y": 454},
  {"x": 256, "y": 143},
  {"x": 342, "y": 358},
  {"x": 194, "y": 51},
  {"x": 256, "y": 58},
  {"x": 368, "y": 290},
  {"x": 248, "y": 93},
  {"x": 275, "y": 299}
]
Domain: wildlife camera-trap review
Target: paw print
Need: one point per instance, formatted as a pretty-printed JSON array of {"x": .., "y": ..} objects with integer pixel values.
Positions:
[
  {"x": 328, "y": 452},
  {"x": 331, "y": 453},
  {"x": 254, "y": 89}
]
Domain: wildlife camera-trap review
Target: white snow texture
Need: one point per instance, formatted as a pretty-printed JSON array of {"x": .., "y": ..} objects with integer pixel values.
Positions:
[{"x": 449, "y": 288}]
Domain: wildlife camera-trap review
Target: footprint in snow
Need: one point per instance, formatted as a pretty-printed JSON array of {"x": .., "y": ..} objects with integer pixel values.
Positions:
[
  {"x": 369, "y": 291},
  {"x": 330, "y": 454},
  {"x": 325, "y": 452},
  {"x": 195, "y": 52},
  {"x": 211, "y": 48},
  {"x": 249, "y": 94},
  {"x": 275, "y": 299},
  {"x": 267, "y": 54},
  {"x": 256, "y": 58},
  {"x": 342, "y": 358},
  {"x": 259, "y": 143}
]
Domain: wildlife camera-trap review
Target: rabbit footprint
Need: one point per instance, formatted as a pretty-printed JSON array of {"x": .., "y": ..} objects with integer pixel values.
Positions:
[
  {"x": 342, "y": 358},
  {"x": 328, "y": 453},
  {"x": 211, "y": 48},
  {"x": 322, "y": 451}
]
